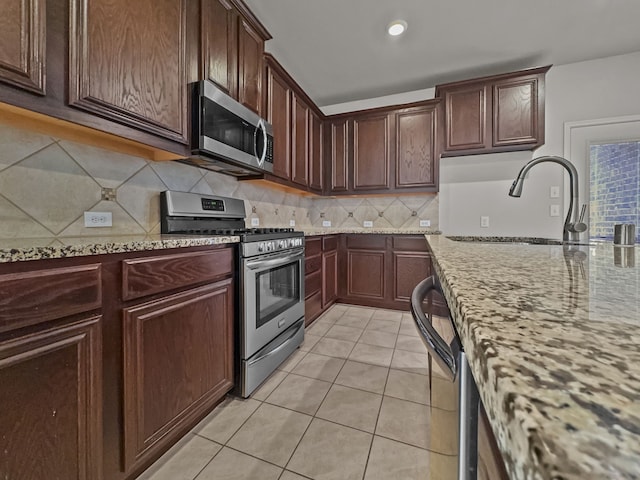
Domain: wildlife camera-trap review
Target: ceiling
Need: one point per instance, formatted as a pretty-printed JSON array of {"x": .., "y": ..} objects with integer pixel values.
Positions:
[{"x": 339, "y": 51}]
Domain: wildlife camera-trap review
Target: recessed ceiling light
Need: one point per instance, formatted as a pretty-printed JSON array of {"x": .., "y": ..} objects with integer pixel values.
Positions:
[{"x": 397, "y": 27}]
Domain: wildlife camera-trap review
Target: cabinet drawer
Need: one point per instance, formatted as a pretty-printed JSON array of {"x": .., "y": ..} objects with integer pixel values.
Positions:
[
  {"x": 329, "y": 243},
  {"x": 312, "y": 307},
  {"x": 146, "y": 276},
  {"x": 312, "y": 246},
  {"x": 312, "y": 264},
  {"x": 410, "y": 243},
  {"x": 367, "y": 242},
  {"x": 42, "y": 295},
  {"x": 312, "y": 284}
]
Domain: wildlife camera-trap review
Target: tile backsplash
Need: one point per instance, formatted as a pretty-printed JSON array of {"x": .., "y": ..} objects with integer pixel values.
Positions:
[{"x": 46, "y": 185}]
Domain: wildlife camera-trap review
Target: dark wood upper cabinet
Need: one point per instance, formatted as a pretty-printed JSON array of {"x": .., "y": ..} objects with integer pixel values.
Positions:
[
  {"x": 300, "y": 145},
  {"x": 219, "y": 46},
  {"x": 128, "y": 63},
  {"x": 316, "y": 148},
  {"x": 279, "y": 115},
  {"x": 250, "y": 50},
  {"x": 371, "y": 152},
  {"x": 494, "y": 114},
  {"x": 339, "y": 155},
  {"x": 417, "y": 149},
  {"x": 22, "y": 44}
]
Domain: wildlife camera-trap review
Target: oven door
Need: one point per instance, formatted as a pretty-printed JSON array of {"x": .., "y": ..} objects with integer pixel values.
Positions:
[{"x": 273, "y": 298}]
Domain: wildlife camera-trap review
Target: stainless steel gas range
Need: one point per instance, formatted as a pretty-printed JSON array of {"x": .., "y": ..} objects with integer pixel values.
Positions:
[{"x": 271, "y": 279}]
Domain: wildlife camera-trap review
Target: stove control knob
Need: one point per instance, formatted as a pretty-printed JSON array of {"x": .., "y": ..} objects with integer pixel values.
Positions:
[
  {"x": 282, "y": 244},
  {"x": 261, "y": 247}
]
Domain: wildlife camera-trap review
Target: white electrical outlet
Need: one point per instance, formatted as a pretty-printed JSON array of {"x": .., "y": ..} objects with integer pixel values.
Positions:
[
  {"x": 255, "y": 222},
  {"x": 367, "y": 224},
  {"x": 554, "y": 210},
  {"x": 98, "y": 219},
  {"x": 484, "y": 222},
  {"x": 292, "y": 223},
  {"x": 425, "y": 223},
  {"x": 554, "y": 192},
  {"x": 326, "y": 223}
]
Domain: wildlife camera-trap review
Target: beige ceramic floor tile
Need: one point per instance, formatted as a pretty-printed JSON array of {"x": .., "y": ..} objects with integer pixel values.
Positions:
[
  {"x": 408, "y": 328},
  {"x": 371, "y": 354},
  {"x": 301, "y": 394},
  {"x": 319, "y": 366},
  {"x": 271, "y": 433},
  {"x": 362, "y": 312},
  {"x": 309, "y": 342},
  {"x": 351, "y": 407},
  {"x": 286, "y": 475},
  {"x": 226, "y": 419},
  {"x": 444, "y": 393},
  {"x": 384, "y": 326},
  {"x": 410, "y": 344},
  {"x": 331, "y": 452},
  {"x": 411, "y": 362},
  {"x": 344, "y": 333},
  {"x": 404, "y": 421},
  {"x": 354, "y": 322},
  {"x": 388, "y": 315},
  {"x": 184, "y": 460},
  {"x": 293, "y": 360},
  {"x": 332, "y": 314},
  {"x": 232, "y": 465},
  {"x": 378, "y": 338},
  {"x": 394, "y": 460},
  {"x": 269, "y": 385},
  {"x": 438, "y": 371},
  {"x": 408, "y": 386},
  {"x": 333, "y": 347},
  {"x": 443, "y": 431},
  {"x": 371, "y": 378},
  {"x": 319, "y": 328}
]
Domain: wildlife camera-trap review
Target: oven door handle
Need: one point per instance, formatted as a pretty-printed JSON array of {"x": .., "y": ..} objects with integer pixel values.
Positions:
[
  {"x": 273, "y": 262},
  {"x": 261, "y": 357}
]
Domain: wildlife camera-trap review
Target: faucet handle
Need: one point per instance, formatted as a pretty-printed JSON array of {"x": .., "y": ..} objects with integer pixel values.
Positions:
[{"x": 582, "y": 213}]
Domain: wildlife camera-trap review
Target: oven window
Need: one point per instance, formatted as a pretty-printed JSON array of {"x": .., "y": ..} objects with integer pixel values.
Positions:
[
  {"x": 278, "y": 289},
  {"x": 226, "y": 127}
]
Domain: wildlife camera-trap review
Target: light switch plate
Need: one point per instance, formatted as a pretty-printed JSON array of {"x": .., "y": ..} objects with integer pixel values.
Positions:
[
  {"x": 292, "y": 223},
  {"x": 98, "y": 219},
  {"x": 484, "y": 222},
  {"x": 425, "y": 223},
  {"x": 326, "y": 223},
  {"x": 367, "y": 224},
  {"x": 255, "y": 222},
  {"x": 554, "y": 210}
]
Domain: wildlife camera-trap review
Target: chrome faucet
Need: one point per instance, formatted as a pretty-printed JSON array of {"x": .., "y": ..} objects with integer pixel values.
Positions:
[{"x": 573, "y": 225}]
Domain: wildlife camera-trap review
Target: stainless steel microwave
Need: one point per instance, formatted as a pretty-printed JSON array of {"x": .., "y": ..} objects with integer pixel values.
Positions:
[{"x": 226, "y": 136}]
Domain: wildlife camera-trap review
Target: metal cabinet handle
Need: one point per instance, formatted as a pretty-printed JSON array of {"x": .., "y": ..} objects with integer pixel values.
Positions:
[
  {"x": 273, "y": 262},
  {"x": 262, "y": 356},
  {"x": 440, "y": 350}
]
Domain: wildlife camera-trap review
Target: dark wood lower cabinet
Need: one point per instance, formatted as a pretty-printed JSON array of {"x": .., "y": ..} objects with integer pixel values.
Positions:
[
  {"x": 178, "y": 364},
  {"x": 50, "y": 393},
  {"x": 329, "y": 277},
  {"x": 490, "y": 462},
  {"x": 321, "y": 275},
  {"x": 365, "y": 274}
]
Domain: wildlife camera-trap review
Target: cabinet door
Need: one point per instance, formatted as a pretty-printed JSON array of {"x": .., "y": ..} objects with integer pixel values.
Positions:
[
  {"x": 516, "y": 111},
  {"x": 365, "y": 274},
  {"x": 127, "y": 63},
  {"x": 51, "y": 415},
  {"x": 371, "y": 152},
  {"x": 279, "y": 115},
  {"x": 416, "y": 148},
  {"x": 490, "y": 462},
  {"x": 22, "y": 44},
  {"x": 316, "y": 150},
  {"x": 300, "y": 147},
  {"x": 339, "y": 156},
  {"x": 466, "y": 118},
  {"x": 329, "y": 277},
  {"x": 178, "y": 361},
  {"x": 250, "y": 51},
  {"x": 409, "y": 269},
  {"x": 220, "y": 45}
]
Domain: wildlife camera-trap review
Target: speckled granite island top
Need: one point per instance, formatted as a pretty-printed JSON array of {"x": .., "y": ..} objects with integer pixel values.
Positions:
[
  {"x": 313, "y": 231},
  {"x": 19, "y": 250},
  {"x": 552, "y": 334}
]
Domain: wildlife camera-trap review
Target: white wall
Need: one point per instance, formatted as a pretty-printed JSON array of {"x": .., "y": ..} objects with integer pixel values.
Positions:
[{"x": 478, "y": 185}]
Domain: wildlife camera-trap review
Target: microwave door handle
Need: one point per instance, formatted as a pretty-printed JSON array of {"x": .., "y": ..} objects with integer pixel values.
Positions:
[
  {"x": 272, "y": 262},
  {"x": 260, "y": 128},
  {"x": 439, "y": 349}
]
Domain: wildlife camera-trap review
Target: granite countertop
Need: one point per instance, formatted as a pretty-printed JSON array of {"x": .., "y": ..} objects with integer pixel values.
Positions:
[
  {"x": 553, "y": 339},
  {"x": 18, "y": 250},
  {"x": 313, "y": 231}
]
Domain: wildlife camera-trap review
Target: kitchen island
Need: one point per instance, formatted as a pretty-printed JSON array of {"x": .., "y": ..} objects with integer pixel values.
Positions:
[{"x": 551, "y": 334}]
